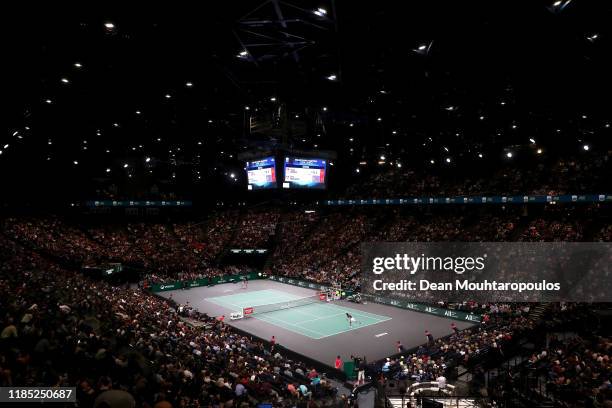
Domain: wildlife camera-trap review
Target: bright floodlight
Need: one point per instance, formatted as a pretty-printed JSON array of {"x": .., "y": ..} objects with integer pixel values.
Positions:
[
  {"x": 168, "y": 96},
  {"x": 75, "y": 162},
  {"x": 138, "y": 112},
  {"x": 448, "y": 159},
  {"x": 232, "y": 175},
  {"x": 320, "y": 12},
  {"x": 422, "y": 47},
  {"x": 532, "y": 140},
  {"x": 65, "y": 80},
  {"x": 48, "y": 101},
  {"x": 332, "y": 77},
  {"x": 125, "y": 165},
  {"x": 189, "y": 84},
  {"x": 586, "y": 147},
  {"x": 109, "y": 25},
  {"x": 78, "y": 65},
  {"x": 480, "y": 155},
  {"x": 509, "y": 155},
  {"x": 108, "y": 170},
  {"x": 539, "y": 151},
  {"x": 382, "y": 157},
  {"x": 273, "y": 99},
  {"x": 147, "y": 160}
]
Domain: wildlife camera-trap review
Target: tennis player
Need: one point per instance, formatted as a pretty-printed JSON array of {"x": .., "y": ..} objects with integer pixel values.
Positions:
[{"x": 350, "y": 319}]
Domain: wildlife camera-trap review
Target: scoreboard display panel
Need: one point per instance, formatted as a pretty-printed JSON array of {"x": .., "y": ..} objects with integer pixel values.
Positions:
[
  {"x": 261, "y": 174},
  {"x": 304, "y": 173}
]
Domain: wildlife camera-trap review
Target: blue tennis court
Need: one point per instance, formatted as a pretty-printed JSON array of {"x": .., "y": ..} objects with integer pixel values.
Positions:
[{"x": 315, "y": 320}]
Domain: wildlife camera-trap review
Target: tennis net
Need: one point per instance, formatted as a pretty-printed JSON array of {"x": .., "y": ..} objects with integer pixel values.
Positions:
[{"x": 287, "y": 304}]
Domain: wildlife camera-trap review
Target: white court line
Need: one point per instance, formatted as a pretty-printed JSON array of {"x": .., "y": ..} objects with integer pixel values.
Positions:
[
  {"x": 289, "y": 324},
  {"x": 225, "y": 304},
  {"x": 379, "y": 320},
  {"x": 297, "y": 310},
  {"x": 358, "y": 312},
  {"x": 353, "y": 328},
  {"x": 320, "y": 318}
]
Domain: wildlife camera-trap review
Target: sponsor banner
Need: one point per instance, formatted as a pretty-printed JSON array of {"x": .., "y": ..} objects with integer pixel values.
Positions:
[
  {"x": 162, "y": 287},
  {"x": 429, "y": 309},
  {"x": 523, "y": 199},
  {"x": 416, "y": 307}
]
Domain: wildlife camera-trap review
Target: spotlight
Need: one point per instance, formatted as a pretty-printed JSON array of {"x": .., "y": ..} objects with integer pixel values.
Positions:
[{"x": 593, "y": 37}]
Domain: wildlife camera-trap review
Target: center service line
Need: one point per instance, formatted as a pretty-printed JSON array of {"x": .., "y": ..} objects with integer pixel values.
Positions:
[{"x": 381, "y": 334}]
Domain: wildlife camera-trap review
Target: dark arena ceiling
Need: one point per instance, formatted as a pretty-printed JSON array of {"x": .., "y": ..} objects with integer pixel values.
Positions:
[{"x": 169, "y": 96}]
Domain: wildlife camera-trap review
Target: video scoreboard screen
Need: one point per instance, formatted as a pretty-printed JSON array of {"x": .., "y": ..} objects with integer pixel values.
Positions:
[
  {"x": 261, "y": 173},
  {"x": 304, "y": 173}
]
